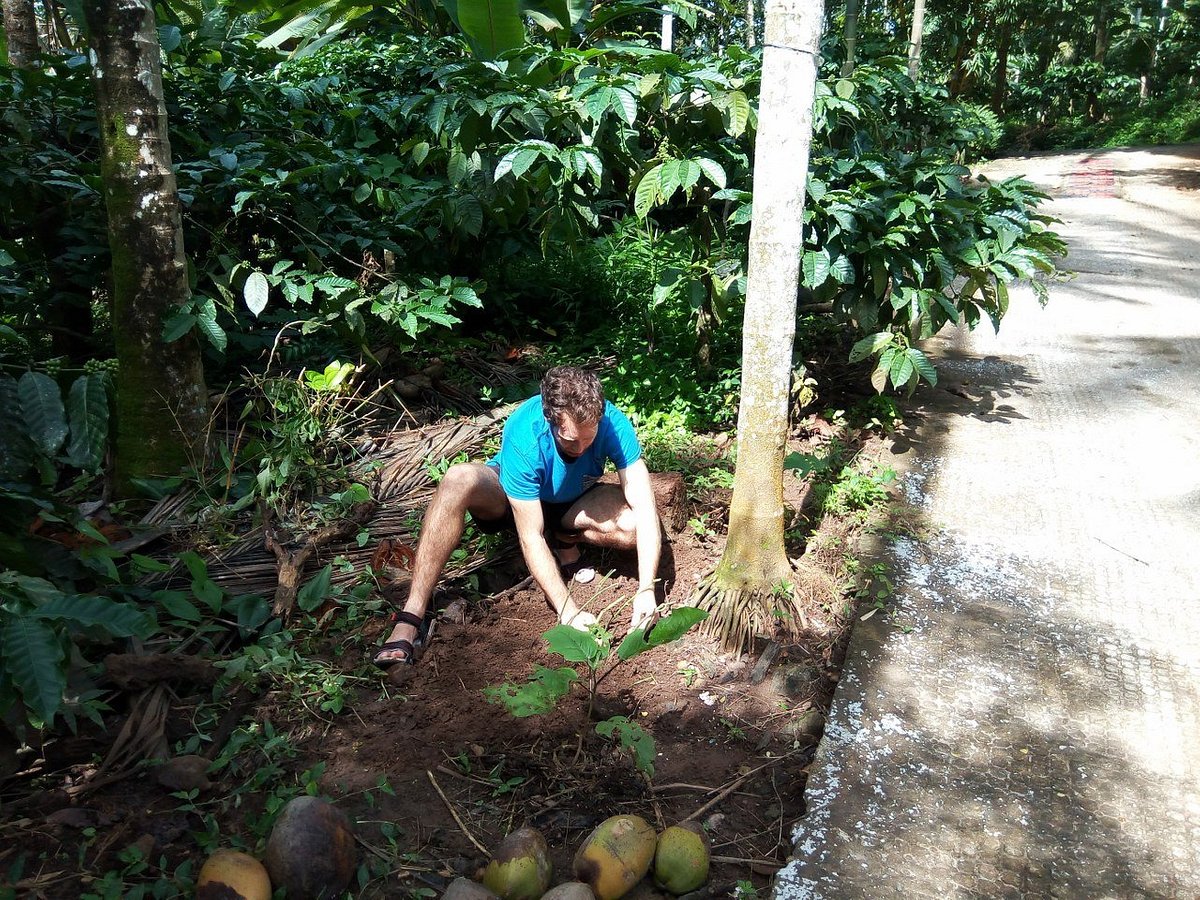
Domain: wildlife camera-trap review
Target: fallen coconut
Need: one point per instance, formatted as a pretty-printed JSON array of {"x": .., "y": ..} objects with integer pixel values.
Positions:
[
  {"x": 311, "y": 850},
  {"x": 569, "y": 890},
  {"x": 681, "y": 858},
  {"x": 520, "y": 868},
  {"x": 615, "y": 856},
  {"x": 466, "y": 889},
  {"x": 231, "y": 875}
]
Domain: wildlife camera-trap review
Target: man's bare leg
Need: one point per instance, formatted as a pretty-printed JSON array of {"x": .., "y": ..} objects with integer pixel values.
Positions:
[
  {"x": 466, "y": 487},
  {"x": 601, "y": 517}
]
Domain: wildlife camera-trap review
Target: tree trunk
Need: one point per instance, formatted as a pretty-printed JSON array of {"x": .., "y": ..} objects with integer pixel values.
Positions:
[
  {"x": 1000, "y": 88},
  {"x": 668, "y": 30},
  {"x": 1101, "y": 50},
  {"x": 914, "y": 40},
  {"x": 750, "y": 25},
  {"x": 850, "y": 35},
  {"x": 20, "y": 27},
  {"x": 161, "y": 398},
  {"x": 755, "y": 563}
]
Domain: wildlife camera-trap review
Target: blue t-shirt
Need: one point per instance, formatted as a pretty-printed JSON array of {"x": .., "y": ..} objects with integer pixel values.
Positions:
[{"x": 532, "y": 469}]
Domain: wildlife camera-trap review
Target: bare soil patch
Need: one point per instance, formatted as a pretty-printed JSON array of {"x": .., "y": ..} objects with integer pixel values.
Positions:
[{"x": 732, "y": 750}]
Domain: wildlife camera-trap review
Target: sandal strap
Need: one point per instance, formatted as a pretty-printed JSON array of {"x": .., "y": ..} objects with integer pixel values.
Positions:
[
  {"x": 406, "y": 646},
  {"x": 407, "y": 618}
]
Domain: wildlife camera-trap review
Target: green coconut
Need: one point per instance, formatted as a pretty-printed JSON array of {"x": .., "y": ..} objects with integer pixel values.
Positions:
[
  {"x": 681, "y": 858},
  {"x": 520, "y": 868}
]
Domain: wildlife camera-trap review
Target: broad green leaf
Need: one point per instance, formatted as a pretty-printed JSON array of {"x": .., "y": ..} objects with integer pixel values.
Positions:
[
  {"x": 844, "y": 88},
  {"x": 118, "y": 619},
  {"x": 879, "y": 378},
  {"x": 458, "y": 167},
  {"x": 87, "y": 407},
  {"x": 713, "y": 170},
  {"x": 816, "y": 267},
  {"x": 901, "y": 369},
  {"x": 492, "y": 27},
  {"x": 598, "y": 102},
  {"x": 177, "y": 326},
  {"x": 689, "y": 171},
  {"x": 33, "y": 656},
  {"x": 16, "y": 450},
  {"x": 669, "y": 628},
  {"x": 539, "y": 695},
  {"x": 574, "y": 645},
  {"x": 255, "y": 292},
  {"x": 646, "y": 196},
  {"x": 315, "y": 590},
  {"x": 922, "y": 364},
  {"x": 869, "y": 346},
  {"x": 39, "y": 590},
  {"x": 1001, "y": 298},
  {"x": 42, "y": 410},
  {"x": 178, "y": 606},
  {"x": 632, "y": 737},
  {"x": 842, "y": 269},
  {"x": 469, "y": 213},
  {"x": 206, "y": 320},
  {"x": 624, "y": 104},
  {"x": 669, "y": 179},
  {"x": 736, "y": 113}
]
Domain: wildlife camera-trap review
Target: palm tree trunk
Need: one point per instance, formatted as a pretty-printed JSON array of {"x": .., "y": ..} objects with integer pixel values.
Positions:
[
  {"x": 1000, "y": 88},
  {"x": 1101, "y": 50},
  {"x": 914, "y": 41},
  {"x": 20, "y": 27},
  {"x": 850, "y": 35},
  {"x": 739, "y": 592},
  {"x": 161, "y": 399}
]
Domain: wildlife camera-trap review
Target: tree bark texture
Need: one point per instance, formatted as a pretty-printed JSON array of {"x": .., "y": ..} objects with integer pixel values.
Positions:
[
  {"x": 754, "y": 555},
  {"x": 1000, "y": 88},
  {"x": 20, "y": 28},
  {"x": 749, "y": 24},
  {"x": 1101, "y": 50},
  {"x": 850, "y": 35},
  {"x": 161, "y": 398},
  {"x": 914, "y": 40}
]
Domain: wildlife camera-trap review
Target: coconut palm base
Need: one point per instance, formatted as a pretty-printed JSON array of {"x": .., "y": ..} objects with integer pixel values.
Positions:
[{"x": 741, "y": 609}]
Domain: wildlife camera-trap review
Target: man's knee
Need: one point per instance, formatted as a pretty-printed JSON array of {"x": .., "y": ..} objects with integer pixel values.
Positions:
[{"x": 626, "y": 522}]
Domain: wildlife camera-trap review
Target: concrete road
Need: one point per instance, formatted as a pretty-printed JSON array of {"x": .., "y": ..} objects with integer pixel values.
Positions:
[{"x": 1026, "y": 721}]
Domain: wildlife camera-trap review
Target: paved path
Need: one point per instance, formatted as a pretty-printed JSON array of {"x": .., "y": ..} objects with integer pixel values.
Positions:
[{"x": 1027, "y": 722}]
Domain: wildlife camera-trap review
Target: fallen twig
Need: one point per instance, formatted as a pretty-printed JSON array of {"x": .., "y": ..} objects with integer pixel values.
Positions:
[
  {"x": 508, "y": 592},
  {"x": 437, "y": 787},
  {"x": 734, "y": 785},
  {"x": 752, "y": 863}
]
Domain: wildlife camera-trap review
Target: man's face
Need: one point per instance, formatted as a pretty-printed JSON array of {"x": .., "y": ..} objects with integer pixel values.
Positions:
[{"x": 573, "y": 438}]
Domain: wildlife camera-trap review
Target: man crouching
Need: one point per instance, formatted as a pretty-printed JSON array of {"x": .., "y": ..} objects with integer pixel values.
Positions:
[{"x": 543, "y": 483}]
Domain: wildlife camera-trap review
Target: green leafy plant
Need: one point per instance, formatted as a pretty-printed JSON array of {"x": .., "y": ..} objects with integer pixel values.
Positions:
[{"x": 593, "y": 649}]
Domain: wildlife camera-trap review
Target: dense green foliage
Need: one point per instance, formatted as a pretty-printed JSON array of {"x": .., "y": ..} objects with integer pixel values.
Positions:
[
  {"x": 369, "y": 202},
  {"x": 1072, "y": 73}
]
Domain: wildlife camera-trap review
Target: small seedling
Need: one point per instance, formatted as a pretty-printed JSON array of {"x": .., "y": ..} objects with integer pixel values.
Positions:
[{"x": 546, "y": 686}]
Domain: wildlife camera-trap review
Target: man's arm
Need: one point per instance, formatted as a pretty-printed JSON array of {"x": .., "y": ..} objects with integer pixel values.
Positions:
[
  {"x": 542, "y": 564},
  {"x": 639, "y": 494}
]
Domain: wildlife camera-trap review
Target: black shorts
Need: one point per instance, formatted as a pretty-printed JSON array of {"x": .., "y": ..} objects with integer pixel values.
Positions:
[{"x": 552, "y": 516}]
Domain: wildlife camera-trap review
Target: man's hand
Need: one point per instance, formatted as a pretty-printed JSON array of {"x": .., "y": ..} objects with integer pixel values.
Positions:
[{"x": 644, "y": 607}]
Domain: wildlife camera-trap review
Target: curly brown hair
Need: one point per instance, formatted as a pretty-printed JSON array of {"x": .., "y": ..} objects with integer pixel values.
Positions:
[{"x": 567, "y": 390}]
